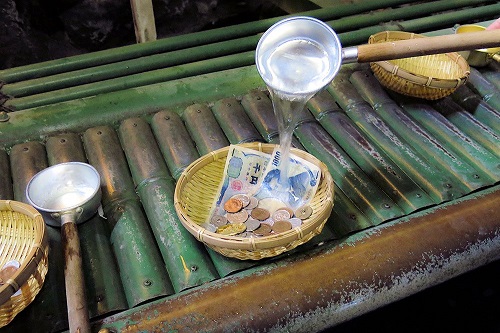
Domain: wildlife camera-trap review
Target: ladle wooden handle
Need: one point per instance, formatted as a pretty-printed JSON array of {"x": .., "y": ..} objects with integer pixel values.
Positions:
[
  {"x": 428, "y": 45},
  {"x": 78, "y": 314}
]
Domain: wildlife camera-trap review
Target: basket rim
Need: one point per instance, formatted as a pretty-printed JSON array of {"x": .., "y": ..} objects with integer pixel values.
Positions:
[
  {"x": 260, "y": 243},
  {"x": 35, "y": 254}
]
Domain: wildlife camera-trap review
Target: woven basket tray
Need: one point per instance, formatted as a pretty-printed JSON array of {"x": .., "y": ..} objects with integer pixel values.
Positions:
[
  {"x": 22, "y": 239},
  {"x": 198, "y": 186},
  {"x": 429, "y": 77}
]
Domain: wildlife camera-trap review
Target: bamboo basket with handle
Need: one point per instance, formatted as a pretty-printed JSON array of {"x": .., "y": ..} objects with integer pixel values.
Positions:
[
  {"x": 429, "y": 77},
  {"x": 198, "y": 185},
  {"x": 23, "y": 240}
]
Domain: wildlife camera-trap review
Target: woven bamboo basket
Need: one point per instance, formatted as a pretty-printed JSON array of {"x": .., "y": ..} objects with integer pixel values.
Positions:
[
  {"x": 23, "y": 240},
  {"x": 198, "y": 186},
  {"x": 429, "y": 77}
]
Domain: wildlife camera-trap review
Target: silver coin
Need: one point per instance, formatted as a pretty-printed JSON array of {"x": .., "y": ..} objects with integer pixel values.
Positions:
[
  {"x": 252, "y": 224},
  {"x": 281, "y": 215},
  {"x": 253, "y": 203},
  {"x": 239, "y": 217},
  {"x": 218, "y": 220},
  {"x": 295, "y": 221},
  {"x": 288, "y": 210},
  {"x": 245, "y": 199}
]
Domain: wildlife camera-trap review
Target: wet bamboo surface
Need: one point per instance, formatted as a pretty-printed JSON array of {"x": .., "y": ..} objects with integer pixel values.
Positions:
[{"x": 416, "y": 197}]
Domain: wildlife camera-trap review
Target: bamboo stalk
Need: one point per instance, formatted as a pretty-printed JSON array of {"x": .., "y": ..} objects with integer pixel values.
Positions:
[
  {"x": 177, "y": 42},
  {"x": 144, "y": 20},
  {"x": 209, "y": 50}
]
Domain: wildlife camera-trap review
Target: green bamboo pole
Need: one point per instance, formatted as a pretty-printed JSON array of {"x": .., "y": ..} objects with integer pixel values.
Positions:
[
  {"x": 127, "y": 68},
  {"x": 178, "y": 151},
  {"x": 398, "y": 14},
  {"x": 441, "y": 128},
  {"x": 365, "y": 194},
  {"x": 492, "y": 75},
  {"x": 78, "y": 115},
  {"x": 448, "y": 19},
  {"x": 187, "y": 262},
  {"x": 484, "y": 88},
  {"x": 469, "y": 124},
  {"x": 179, "y": 42},
  {"x": 210, "y": 50},
  {"x": 372, "y": 160},
  {"x": 481, "y": 110},
  {"x": 439, "y": 155},
  {"x": 423, "y": 24},
  {"x": 142, "y": 270},
  {"x": 234, "y": 122},
  {"x": 434, "y": 181},
  {"x": 175, "y": 143},
  {"x": 132, "y": 81}
]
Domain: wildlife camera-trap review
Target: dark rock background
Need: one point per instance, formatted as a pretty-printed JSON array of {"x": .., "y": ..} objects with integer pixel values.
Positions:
[{"x": 39, "y": 30}]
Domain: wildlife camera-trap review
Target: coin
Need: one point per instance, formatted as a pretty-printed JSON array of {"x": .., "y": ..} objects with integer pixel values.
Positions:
[
  {"x": 218, "y": 220},
  {"x": 238, "y": 217},
  {"x": 289, "y": 210},
  {"x": 281, "y": 214},
  {"x": 233, "y": 205},
  {"x": 231, "y": 229},
  {"x": 295, "y": 221},
  {"x": 245, "y": 199},
  {"x": 281, "y": 226},
  {"x": 260, "y": 214},
  {"x": 263, "y": 230},
  {"x": 252, "y": 224},
  {"x": 303, "y": 212},
  {"x": 253, "y": 203},
  {"x": 8, "y": 270}
]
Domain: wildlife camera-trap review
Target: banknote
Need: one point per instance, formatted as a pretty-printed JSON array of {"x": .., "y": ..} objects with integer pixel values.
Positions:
[
  {"x": 297, "y": 188},
  {"x": 242, "y": 172},
  {"x": 260, "y": 175}
]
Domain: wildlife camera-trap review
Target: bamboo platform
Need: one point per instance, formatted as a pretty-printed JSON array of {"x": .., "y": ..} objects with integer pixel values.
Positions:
[{"x": 416, "y": 182}]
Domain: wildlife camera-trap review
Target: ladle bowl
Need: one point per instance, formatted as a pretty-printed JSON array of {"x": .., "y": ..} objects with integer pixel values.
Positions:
[
  {"x": 298, "y": 56},
  {"x": 65, "y": 188}
]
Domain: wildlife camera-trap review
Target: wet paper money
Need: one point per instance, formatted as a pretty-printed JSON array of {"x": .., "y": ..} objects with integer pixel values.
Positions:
[
  {"x": 297, "y": 188},
  {"x": 242, "y": 172}
]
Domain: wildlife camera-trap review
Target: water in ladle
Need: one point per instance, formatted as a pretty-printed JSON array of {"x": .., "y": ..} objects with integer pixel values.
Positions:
[{"x": 294, "y": 73}]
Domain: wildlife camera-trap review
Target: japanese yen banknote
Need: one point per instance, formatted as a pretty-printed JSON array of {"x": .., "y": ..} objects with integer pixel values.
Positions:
[{"x": 258, "y": 174}]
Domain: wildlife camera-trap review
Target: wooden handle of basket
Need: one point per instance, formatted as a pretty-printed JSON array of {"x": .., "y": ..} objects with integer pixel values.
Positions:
[
  {"x": 428, "y": 45},
  {"x": 78, "y": 314}
]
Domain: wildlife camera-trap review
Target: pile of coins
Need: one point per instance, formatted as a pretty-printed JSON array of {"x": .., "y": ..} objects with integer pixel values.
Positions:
[{"x": 246, "y": 216}]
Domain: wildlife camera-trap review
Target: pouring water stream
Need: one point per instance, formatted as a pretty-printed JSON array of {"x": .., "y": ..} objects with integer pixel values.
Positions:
[{"x": 293, "y": 61}]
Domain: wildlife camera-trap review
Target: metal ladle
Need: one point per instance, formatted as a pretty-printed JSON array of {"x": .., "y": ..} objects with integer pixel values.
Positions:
[
  {"x": 288, "y": 49},
  {"x": 67, "y": 194}
]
